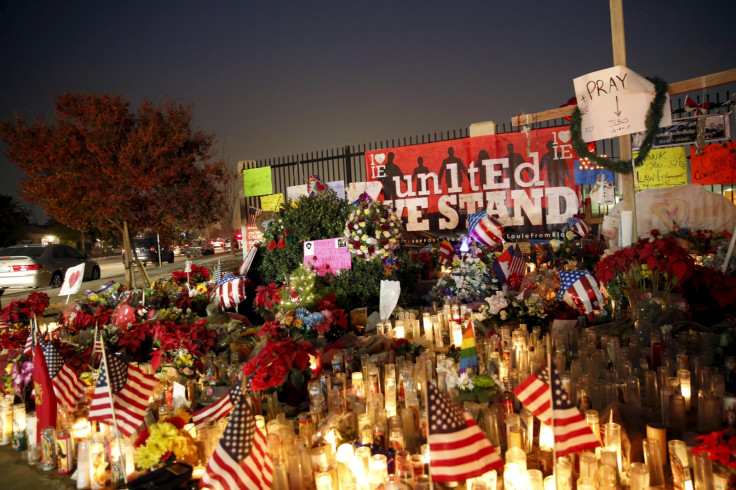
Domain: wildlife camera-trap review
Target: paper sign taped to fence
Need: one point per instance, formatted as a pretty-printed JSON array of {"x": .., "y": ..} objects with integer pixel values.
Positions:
[
  {"x": 257, "y": 181},
  {"x": 272, "y": 202},
  {"x": 663, "y": 167},
  {"x": 715, "y": 165},
  {"x": 330, "y": 255},
  {"x": 294, "y": 192},
  {"x": 72, "y": 280},
  {"x": 614, "y": 102}
]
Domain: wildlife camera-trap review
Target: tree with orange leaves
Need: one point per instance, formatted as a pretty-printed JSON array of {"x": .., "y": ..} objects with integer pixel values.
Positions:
[{"x": 100, "y": 165}]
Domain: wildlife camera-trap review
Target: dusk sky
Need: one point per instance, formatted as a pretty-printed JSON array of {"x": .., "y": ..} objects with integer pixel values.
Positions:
[{"x": 279, "y": 78}]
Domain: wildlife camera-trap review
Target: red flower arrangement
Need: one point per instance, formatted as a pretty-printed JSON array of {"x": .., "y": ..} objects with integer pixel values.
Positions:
[
  {"x": 198, "y": 274},
  {"x": 654, "y": 259},
  {"x": 23, "y": 310},
  {"x": 277, "y": 360},
  {"x": 268, "y": 296}
]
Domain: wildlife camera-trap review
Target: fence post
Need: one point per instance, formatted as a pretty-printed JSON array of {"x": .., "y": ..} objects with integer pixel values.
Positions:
[{"x": 348, "y": 166}]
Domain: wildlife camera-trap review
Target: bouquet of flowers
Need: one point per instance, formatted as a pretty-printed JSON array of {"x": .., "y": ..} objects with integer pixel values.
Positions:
[
  {"x": 164, "y": 440},
  {"x": 468, "y": 281}
]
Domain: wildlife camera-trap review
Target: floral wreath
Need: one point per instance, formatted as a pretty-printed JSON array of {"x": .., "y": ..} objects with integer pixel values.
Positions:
[{"x": 373, "y": 230}]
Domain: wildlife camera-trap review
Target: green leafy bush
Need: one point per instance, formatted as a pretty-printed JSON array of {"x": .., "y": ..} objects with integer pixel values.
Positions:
[{"x": 309, "y": 218}]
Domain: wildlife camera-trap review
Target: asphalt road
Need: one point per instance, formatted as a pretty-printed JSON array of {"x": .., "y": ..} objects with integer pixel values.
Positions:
[{"x": 111, "y": 268}]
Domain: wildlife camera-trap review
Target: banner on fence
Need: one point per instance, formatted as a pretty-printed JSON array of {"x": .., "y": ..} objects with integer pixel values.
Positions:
[{"x": 523, "y": 179}]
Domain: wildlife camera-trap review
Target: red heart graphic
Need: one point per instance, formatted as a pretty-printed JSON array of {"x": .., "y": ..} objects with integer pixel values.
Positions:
[{"x": 76, "y": 275}]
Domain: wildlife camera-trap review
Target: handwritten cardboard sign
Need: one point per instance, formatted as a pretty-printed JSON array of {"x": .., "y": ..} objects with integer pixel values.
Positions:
[
  {"x": 272, "y": 202},
  {"x": 257, "y": 181},
  {"x": 355, "y": 189},
  {"x": 663, "y": 167},
  {"x": 330, "y": 255},
  {"x": 715, "y": 165},
  {"x": 614, "y": 102}
]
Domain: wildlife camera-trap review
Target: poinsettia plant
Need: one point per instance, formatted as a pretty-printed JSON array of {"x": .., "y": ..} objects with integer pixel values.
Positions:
[
  {"x": 721, "y": 450},
  {"x": 278, "y": 360},
  {"x": 23, "y": 310}
]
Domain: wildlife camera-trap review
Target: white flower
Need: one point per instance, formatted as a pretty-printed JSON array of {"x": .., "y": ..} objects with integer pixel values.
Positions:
[
  {"x": 555, "y": 244},
  {"x": 465, "y": 382},
  {"x": 497, "y": 303}
]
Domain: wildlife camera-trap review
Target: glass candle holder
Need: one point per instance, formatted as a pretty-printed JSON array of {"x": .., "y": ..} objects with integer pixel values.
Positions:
[
  {"x": 653, "y": 460},
  {"x": 639, "y": 476},
  {"x": 685, "y": 387},
  {"x": 612, "y": 441},
  {"x": 593, "y": 421},
  {"x": 679, "y": 464},
  {"x": 20, "y": 438},
  {"x": 677, "y": 415}
]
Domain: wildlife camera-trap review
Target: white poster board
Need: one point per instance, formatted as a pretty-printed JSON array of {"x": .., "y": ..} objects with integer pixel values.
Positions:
[
  {"x": 614, "y": 102},
  {"x": 72, "y": 280}
]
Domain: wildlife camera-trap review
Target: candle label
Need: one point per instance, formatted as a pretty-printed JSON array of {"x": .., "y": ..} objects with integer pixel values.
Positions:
[
  {"x": 48, "y": 446},
  {"x": 64, "y": 453}
]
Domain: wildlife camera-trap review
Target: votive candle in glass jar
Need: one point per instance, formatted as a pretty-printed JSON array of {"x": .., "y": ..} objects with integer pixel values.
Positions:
[
  {"x": 685, "y": 387},
  {"x": 612, "y": 441},
  {"x": 653, "y": 460},
  {"x": 680, "y": 464},
  {"x": 639, "y": 476},
  {"x": 20, "y": 438}
]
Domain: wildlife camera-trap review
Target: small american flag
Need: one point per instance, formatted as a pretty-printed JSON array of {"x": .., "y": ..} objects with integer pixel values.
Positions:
[
  {"x": 218, "y": 273},
  {"x": 572, "y": 433},
  {"x": 253, "y": 214},
  {"x": 241, "y": 459},
  {"x": 130, "y": 388},
  {"x": 28, "y": 348},
  {"x": 67, "y": 385},
  {"x": 458, "y": 448},
  {"x": 510, "y": 262},
  {"x": 217, "y": 410}
]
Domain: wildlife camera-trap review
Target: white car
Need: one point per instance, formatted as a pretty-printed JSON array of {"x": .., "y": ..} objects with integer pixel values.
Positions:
[{"x": 34, "y": 266}]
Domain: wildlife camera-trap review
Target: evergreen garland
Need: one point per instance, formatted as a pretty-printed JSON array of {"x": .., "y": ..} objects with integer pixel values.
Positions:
[{"x": 654, "y": 116}]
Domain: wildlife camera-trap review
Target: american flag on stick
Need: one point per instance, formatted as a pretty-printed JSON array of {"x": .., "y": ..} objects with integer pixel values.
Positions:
[
  {"x": 458, "y": 449},
  {"x": 554, "y": 408},
  {"x": 217, "y": 410},
  {"x": 65, "y": 380},
  {"x": 126, "y": 396},
  {"x": 253, "y": 214},
  {"x": 241, "y": 459}
]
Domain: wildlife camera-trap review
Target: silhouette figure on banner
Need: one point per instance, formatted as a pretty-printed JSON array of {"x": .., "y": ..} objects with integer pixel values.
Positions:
[
  {"x": 390, "y": 170},
  {"x": 482, "y": 155},
  {"x": 557, "y": 171},
  {"x": 515, "y": 159},
  {"x": 419, "y": 171},
  {"x": 451, "y": 158}
]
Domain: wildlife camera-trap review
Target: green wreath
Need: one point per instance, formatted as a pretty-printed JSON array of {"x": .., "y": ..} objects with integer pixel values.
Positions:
[{"x": 654, "y": 116}]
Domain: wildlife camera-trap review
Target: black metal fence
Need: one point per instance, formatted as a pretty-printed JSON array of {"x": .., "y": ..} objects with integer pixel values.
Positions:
[{"x": 348, "y": 162}]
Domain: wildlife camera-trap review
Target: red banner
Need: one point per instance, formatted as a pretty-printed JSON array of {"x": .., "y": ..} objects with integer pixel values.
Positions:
[
  {"x": 715, "y": 165},
  {"x": 524, "y": 179}
]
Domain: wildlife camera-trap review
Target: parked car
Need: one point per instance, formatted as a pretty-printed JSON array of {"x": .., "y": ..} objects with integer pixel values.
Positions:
[
  {"x": 146, "y": 248},
  {"x": 199, "y": 247},
  {"x": 34, "y": 266},
  {"x": 218, "y": 243}
]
